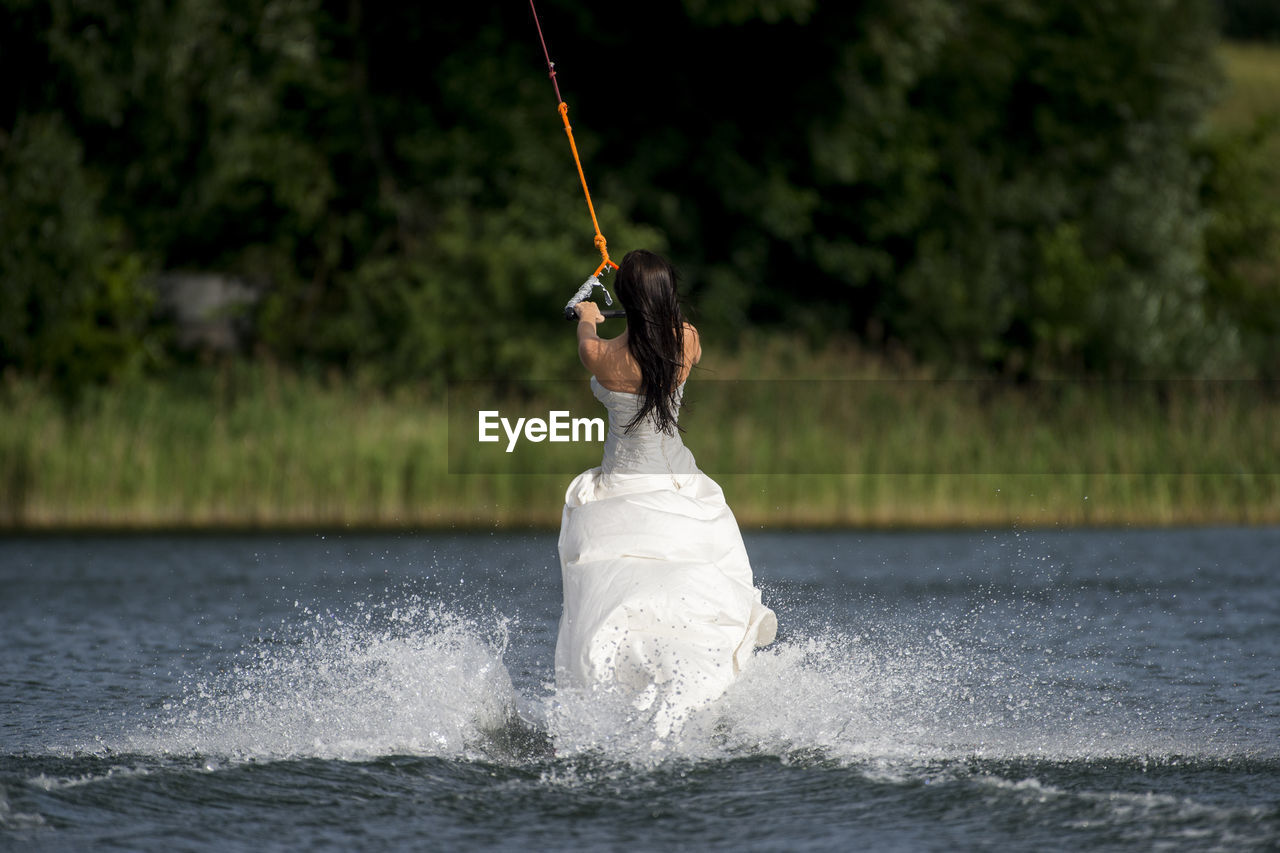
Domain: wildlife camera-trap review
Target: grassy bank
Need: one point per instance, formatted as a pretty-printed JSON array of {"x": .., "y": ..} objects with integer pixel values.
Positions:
[
  {"x": 1253, "y": 84},
  {"x": 254, "y": 447}
]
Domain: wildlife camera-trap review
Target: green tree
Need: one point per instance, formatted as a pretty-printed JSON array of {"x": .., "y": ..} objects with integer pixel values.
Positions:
[
  {"x": 1008, "y": 185},
  {"x": 71, "y": 305},
  {"x": 1242, "y": 239}
]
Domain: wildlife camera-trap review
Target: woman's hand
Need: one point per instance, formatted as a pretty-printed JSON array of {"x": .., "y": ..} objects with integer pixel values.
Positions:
[{"x": 588, "y": 311}]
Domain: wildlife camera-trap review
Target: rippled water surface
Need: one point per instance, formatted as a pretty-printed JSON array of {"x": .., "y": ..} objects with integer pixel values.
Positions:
[{"x": 928, "y": 691}]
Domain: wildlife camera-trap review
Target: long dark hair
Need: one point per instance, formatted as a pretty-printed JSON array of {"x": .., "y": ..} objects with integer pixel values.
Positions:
[{"x": 655, "y": 333}]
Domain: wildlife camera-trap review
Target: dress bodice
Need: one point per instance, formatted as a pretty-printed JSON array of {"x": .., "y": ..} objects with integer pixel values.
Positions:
[{"x": 644, "y": 449}]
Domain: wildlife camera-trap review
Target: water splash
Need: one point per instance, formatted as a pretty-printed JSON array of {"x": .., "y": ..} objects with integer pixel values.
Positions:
[
  {"x": 414, "y": 677},
  {"x": 409, "y": 678},
  {"x": 933, "y": 697},
  {"x": 852, "y": 699}
]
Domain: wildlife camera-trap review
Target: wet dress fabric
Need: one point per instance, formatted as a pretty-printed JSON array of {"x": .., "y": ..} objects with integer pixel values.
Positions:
[{"x": 659, "y": 602}]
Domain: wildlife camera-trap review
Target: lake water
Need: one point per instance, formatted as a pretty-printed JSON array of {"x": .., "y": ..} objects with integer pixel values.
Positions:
[{"x": 1082, "y": 690}]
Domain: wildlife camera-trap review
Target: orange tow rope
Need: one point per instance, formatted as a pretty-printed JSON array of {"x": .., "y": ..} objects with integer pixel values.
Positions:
[{"x": 601, "y": 243}]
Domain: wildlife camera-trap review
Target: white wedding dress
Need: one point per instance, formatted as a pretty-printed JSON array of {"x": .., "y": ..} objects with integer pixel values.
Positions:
[{"x": 659, "y": 604}]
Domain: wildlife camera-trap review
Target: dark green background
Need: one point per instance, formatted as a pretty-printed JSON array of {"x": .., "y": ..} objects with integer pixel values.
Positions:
[{"x": 1020, "y": 187}]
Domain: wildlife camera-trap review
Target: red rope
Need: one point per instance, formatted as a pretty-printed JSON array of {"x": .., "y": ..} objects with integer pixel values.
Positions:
[{"x": 551, "y": 66}]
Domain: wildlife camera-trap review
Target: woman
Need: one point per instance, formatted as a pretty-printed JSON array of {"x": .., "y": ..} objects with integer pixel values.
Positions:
[{"x": 658, "y": 595}]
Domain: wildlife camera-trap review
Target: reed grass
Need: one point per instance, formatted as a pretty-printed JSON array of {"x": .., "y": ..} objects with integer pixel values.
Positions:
[{"x": 250, "y": 446}]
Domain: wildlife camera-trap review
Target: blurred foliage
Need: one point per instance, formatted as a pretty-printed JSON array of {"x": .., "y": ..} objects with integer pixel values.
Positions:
[
  {"x": 1018, "y": 186},
  {"x": 72, "y": 307},
  {"x": 1242, "y": 239},
  {"x": 1250, "y": 19}
]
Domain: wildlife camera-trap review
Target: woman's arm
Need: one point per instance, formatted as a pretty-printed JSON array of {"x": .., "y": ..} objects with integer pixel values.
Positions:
[{"x": 590, "y": 344}]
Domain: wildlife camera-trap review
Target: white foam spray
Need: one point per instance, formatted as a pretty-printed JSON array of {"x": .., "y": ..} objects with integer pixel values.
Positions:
[
  {"x": 410, "y": 678},
  {"x": 415, "y": 678}
]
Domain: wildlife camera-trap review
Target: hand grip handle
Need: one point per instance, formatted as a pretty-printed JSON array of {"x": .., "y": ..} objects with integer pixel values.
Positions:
[{"x": 570, "y": 314}]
